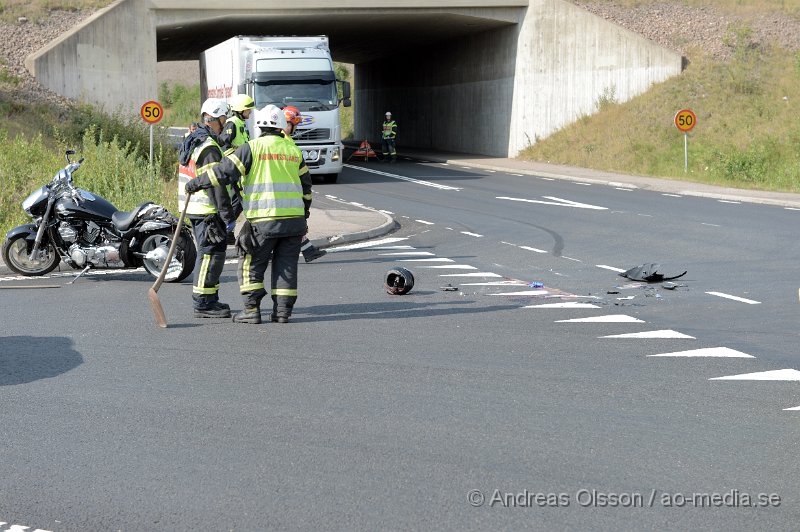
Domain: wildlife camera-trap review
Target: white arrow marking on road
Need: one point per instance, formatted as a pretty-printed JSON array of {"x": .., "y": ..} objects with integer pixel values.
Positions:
[
  {"x": 403, "y": 178},
  {"x": 437, "y": 259},
  {"x": 665, "y": 333},
  {"x": 569, "y": 304},
  {"x": 525, "y": 293},
  {"x": 557, "y": 201},
  {"x": 715, "y": 352},
  {"x": 735, "y": 298},
  {"x": 611, "y": 318},
  {"x": 775, "y": 375},
  {"x": 477, "y": 274}
]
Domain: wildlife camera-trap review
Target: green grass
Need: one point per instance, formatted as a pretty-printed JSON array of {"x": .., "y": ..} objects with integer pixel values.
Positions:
[{"x": 746, "y": 136}]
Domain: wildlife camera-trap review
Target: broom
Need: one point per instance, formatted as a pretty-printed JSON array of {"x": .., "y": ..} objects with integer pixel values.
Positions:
[{"x": 155, "y": 304}]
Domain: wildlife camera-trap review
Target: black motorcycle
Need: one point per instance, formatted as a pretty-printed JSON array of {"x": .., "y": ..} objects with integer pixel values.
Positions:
[{"x": 86, "y": 231}]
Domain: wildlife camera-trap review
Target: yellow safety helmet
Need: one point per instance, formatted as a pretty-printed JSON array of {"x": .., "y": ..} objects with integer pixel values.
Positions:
[{"x": 242, "y": 102}]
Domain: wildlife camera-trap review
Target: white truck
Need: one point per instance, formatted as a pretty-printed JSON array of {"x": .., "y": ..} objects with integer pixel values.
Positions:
[{"x": 284, "y": 71}]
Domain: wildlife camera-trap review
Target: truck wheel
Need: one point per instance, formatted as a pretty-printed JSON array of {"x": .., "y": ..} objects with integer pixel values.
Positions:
[{"x": 330, "y": 179}]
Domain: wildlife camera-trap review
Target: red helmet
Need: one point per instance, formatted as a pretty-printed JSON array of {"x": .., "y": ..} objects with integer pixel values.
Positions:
[{"x": 292, "y": 114}]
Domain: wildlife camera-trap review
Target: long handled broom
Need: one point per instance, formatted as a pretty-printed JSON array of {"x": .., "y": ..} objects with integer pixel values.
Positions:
[{"x": 155, "y": 304}]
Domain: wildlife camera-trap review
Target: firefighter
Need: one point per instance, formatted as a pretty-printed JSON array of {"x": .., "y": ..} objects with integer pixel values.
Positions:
[
  {"x": 388, "y": 135},
  {"x": 277, "y": 198},
  {"x": 293, "y": 118},
  {"x": 235, "y": 132},
  {"x": 208, "y": 211}
]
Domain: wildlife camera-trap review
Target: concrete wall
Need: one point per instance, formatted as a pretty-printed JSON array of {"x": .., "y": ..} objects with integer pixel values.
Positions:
[
  {"x": 567, "y": 58},
  {"x": 109, "y": 60}
]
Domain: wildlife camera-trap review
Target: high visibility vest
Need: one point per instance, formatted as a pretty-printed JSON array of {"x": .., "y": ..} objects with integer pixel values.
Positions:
[
  {"x": 200, "y": 203},
  {"x": 242, "y": 135},
  {"x": 389, "y": 129},
  {"x": 272, "y": 189}
]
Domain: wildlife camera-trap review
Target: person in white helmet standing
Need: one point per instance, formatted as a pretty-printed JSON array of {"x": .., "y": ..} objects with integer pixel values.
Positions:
[
  {"x": 388, "y": 135},
  {"x": 276, "y": 198},
  {"x": 209, "y": 212}
]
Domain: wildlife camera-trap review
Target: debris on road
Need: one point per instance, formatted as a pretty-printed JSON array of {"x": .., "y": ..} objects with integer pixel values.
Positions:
[{"x": 649, "y": 272}]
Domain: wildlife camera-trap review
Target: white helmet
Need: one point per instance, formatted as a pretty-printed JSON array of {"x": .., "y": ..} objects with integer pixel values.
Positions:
[
  {"x": 270, "y": 116},
  {"x": 388, "y": 113},
  {"x": 214, "y": 108}
]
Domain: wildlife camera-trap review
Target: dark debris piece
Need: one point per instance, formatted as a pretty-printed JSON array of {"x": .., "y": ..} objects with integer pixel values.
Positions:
[{"x": 649, "y": 272}]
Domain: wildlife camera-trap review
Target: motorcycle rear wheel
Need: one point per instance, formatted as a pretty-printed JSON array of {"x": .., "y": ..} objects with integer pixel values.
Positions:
[
  {"x": 183, "y": 261},
  {"x": 15, "y": 255}
]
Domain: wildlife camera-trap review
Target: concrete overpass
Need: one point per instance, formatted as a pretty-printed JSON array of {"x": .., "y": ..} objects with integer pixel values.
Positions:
[{"x": 473, "y": 76}]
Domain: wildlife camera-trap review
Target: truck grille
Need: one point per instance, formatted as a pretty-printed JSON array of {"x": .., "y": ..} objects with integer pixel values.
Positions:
[{"x": 312, "y": 134}]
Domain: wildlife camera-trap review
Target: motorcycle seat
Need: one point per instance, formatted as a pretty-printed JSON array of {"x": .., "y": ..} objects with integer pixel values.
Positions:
[{"x": 123, "y": 220}]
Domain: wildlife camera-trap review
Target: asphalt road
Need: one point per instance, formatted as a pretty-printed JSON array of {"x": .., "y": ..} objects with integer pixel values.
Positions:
[{"x": 472, "y": 409}]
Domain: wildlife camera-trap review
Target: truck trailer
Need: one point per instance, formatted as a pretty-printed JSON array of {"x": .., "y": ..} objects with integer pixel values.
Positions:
[{"x": 284, "y": 71}]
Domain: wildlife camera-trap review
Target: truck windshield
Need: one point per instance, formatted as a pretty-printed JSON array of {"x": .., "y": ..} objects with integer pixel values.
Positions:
[{"x": 305, "y": 95}]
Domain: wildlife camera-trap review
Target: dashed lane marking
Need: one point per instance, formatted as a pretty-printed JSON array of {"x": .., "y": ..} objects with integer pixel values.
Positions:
[
  {"x": 672, "y": 195},
  {"x": 568, "y": 304},
  {"x": 613, "y": 269},
  {"x": 425, "y": 222},
  {"x": 436, "y": 259},
  {"x": 709, "y": 352},
  {"x": 729, "y": 201},
  {"x": 452, "y": 267},
  {"x": 796, "y": 408},
  {"x": 471, "y": 234},
  {"x": 665, "y": 333},
  {"x": 734, "y": 298},
  {"x": 523, "y": 293},
  {"x": 406, "y": 253},
  {"x": 774, "y": 375},
  {"x": 610, "y": 318}
]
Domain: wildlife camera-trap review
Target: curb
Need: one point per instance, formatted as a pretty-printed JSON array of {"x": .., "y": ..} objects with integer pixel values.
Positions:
[{"x": 387, "y": 226}]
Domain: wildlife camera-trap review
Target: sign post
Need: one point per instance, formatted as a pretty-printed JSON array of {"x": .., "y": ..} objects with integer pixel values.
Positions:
[
  {"x": 685, "y": 121},
  {"x": 151, "y": 112}
]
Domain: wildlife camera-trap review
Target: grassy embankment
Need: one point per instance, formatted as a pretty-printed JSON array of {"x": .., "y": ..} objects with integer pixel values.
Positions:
[{"x": 747, "y": 133}]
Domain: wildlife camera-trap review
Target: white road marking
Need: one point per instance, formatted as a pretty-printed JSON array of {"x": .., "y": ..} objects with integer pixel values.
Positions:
[
  {"x": 424, "y": 222},
  {"x": 361, "y": 245},
  {"x": 437, "y": 259},
  {"x": 471, "y": 234},
  {"x": 710, "y": 225},
  {"x": 712, "y": 352},
  {"x": 583, "y": 184},
  {"x": 516, "y": 175},
  {"x": 613, "y": 269},
  {"x": 735, "y": 298},
  {"x": 672, "y": 195},
  {"x": 477, "y": 274},
  {"x": 356, "y": 204},
  {"x": 665, "y": 333},
  {"x": 568, "y": 304},
  {"x": 610, "y": 318},
  {"x": 535, "y": 250},
  {"x": 524, "y": 293},
  {"x": 796, "y": 408},
  {"x": 492, "y": 171},
  {"x": 624, "y": 189},
  {"x": 386, "y": 212},
  {"x": 497, "y": 283},
  {"x": 729, "y": 201},
  {"x": 405, "y": 253},
  {"x": 404, "y": 178},
  {"x": 570, "y": 258},
  {"x": 547, "y": 179},
  {"x": 394, "y": 247},
  {"x": 791, "y": 209},
  {"x": 556, "y": 201},
  {"x": 774, "y": 375},
  {"x": 452, "y": 267}
]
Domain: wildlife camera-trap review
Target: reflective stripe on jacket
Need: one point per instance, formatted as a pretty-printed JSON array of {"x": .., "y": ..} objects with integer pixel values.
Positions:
[
  {"x": 242, "y": 135},
  {"x": 200, "y": 203},
  {"x": 389, "y": 129}
]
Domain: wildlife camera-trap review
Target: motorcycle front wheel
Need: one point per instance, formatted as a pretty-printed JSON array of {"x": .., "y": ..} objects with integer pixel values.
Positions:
[
  {"x": 156, "y": 246},
  {"x": 15, "y": 254}
]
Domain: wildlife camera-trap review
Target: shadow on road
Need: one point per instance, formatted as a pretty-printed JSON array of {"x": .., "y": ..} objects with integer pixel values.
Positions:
[{"x": 25, "y": 359}]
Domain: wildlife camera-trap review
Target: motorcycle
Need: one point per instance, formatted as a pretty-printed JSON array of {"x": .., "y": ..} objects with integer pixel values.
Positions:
[{"x": 87, "y": 231}]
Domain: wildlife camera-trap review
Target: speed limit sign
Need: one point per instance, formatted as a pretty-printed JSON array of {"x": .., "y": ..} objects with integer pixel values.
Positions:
[
  {"x": 152, "y": 112},
  {"x": 685, "y": 120}
]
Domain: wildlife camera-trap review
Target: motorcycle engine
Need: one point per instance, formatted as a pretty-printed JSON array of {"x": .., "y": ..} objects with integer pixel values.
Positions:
[{"x": 98, "y": 256}]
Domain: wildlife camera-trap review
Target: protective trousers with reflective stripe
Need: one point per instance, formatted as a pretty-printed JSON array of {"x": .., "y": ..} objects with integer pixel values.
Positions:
[
  {"x": 207, "y": 267},
  {"x": 284, "y": 252}
]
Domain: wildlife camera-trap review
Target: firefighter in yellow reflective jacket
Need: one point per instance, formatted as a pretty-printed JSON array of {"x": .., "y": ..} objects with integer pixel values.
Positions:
[
  {"x": 388, "y": 135},
  {"x": 293, "y": 118},
  {"x": 276, "y": 199},
  {"x": 235, "y": 133},
  {"x": 209, "y": 211}
]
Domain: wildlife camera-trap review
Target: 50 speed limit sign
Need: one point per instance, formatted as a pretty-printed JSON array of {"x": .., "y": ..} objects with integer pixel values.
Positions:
[
  {"x": 685, "y": 120},
  {"x": 152, "y": 112}
]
